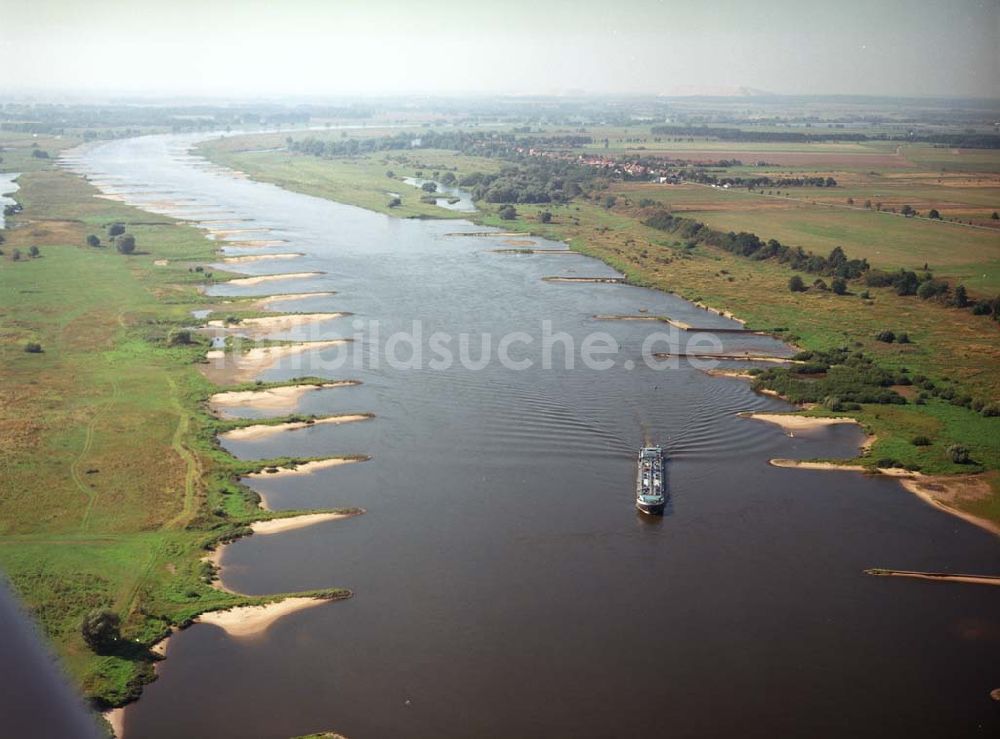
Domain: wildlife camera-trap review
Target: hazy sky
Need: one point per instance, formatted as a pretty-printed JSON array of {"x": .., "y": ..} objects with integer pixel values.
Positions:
[{"x": 331, "y": 47}]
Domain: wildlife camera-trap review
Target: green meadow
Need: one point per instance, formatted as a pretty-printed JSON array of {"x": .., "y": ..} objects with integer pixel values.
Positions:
[{"x": 113, "y": 487}]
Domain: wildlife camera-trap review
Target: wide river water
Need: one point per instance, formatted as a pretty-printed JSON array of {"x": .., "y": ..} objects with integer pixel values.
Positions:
[{"x": 504, "y": 584}]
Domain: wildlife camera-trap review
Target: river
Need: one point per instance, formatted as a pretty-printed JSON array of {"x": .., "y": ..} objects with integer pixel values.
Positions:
[{"x": 504, "y": 584}]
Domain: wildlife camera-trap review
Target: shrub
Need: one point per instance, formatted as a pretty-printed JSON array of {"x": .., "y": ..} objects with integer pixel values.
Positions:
[
  {"x": 545, "y": 217},
  {"x": 958, "y": 454},
  {"x": 885, "y": 336},
  {"x": 101, "y": 629},
  {"x": 33, "y": 251},
  {"x": 125, "y": 244},
  {"x": 864, "y": 295},
  {"x": 33, "y": 347},
  {"x": 960, "y": 298},
  {"x": 921, "y": 441},
  {"x": 903, "y": 338},
  {"x": 795, "y": 284},
  {"x": 933, "y": 213},
  {"x": 179, "y": 337},
  {"x": 839, "y": 286},
  {"x": 93, "y": 240},
  {"x": 395, "y": 202},
  {"x": 116, "y": 229},
  {"x": 990, "y": 410},
  {"x": 508, "y": 213}
]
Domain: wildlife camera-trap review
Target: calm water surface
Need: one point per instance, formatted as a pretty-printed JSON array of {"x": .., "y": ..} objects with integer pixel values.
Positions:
[{"x": 504, "y": 584}]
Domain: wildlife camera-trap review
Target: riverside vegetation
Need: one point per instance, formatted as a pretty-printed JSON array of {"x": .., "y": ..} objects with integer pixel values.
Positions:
[
  {"x": 114, "y": 487},
  {"x": 932, "y": 389}
]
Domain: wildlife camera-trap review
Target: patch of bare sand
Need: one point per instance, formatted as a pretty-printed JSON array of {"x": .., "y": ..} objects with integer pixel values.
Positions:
[
  {"x": 276, "y": 398},
  {"x": 260, "y": 257},
  {"x": 249, "y": 281},
  {"x": 306, "y": 468},
  {"x": 262, "y": 431},
  {"x": 246, "y": 622},
  {"x": 232, "y": 369}
]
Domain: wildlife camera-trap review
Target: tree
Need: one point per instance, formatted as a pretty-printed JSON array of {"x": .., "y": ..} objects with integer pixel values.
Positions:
[
  {"x": 508, "y": 213},
  {"x": 545, "y": 217},
  {"x": 960, "y": 298},
  {"x": 908, "y": 211},
  {"x": 33, "y": 347},
  {"x": 933, "y": 213},
  {"x": 448, "y": 179},
  {"x": 101, "y": 629},
  {"x": 116, "y": 229},
  {"x": 429, "y": 187},
  {"x": 839, "y": 286},
  {"x": 995, "y": 216},
  {"x": 125, "y": 244},
  {"x": 395, "y": 201},
  {"x": 795, "y": 284},
  {"x": 33, "y": 251},
  {"x": 93, "y": 240},
  {"x": 15, "y": 255}
]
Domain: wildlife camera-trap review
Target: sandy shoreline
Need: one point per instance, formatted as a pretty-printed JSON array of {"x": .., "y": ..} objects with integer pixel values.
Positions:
[
  {"x": 796, "y": 423},
  {"x": 262, "y": 431},
  {"x": 232, "y": 369},
  {"x": 275, "y": 398},
  {"x": 807, "y": 465},
  {"x": 261, "y": 257},
  {"x": 265, "y": 303},
  {"x": 244, "y": 622},
  {"x": 249, "y": 281},
  {"x": 116, "y": 717},
  {"x": 288, "y": 320},
  {"x": 939, "y": 491},
  {"x": 745, "y": 357},
  {"x": 306, "y": 468},
  {"x": 290, "y": 523},
  {"x": 937, "y": 576},
  {"x": 609, "y": 280}
]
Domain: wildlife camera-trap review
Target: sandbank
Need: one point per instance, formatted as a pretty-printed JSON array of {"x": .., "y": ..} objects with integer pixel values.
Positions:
[
  {"x": 262, "y": 431},
  {"x": 273, "y": 278},
  {"x": 275, "y": 398},
  {"x": 244, "y": 622}
]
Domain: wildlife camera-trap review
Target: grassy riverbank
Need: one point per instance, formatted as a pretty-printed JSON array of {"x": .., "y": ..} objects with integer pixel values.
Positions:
[
  {"x": 113, "y": 485},
  {"x": 953, "y": 348}
]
